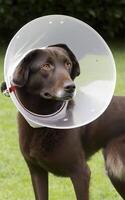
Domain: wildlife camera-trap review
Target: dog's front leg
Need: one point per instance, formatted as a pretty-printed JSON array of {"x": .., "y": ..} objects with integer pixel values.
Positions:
[
  {"x": 80, "y": 179},
  {"x": 40, "y": 182}
]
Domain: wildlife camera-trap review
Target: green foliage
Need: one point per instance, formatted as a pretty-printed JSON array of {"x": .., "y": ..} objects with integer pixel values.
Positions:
[{"x": 106, "y": 16}]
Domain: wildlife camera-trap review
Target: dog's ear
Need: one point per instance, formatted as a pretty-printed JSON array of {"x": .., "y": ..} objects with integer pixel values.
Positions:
[
  {"x": 21, "y": 72},
  {"x": 3, "y": 87},
  {"x": 76, "y": 68}
]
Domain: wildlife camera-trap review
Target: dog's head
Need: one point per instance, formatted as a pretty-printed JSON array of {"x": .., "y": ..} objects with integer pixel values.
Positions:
[{"x": 48, "y": 72}]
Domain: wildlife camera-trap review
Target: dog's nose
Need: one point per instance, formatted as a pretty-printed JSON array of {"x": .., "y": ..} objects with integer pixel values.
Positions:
[{"x": 69, "y": 87}]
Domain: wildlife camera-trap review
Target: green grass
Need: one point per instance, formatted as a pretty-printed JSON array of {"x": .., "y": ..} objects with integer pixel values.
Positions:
[{"x": 15, "y": 181}]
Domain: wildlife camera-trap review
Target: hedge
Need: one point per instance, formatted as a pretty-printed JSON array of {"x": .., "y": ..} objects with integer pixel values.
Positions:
[{"x": 106, "y": 16}]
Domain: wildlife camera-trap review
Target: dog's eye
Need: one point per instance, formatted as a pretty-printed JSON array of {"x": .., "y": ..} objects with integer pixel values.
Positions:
[
  {"x": 46, "y": 67},
  {"x": 68, "y": 65}
]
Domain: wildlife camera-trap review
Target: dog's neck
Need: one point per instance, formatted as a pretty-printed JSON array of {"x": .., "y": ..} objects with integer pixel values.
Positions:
[{"x": 37, "y": 104}]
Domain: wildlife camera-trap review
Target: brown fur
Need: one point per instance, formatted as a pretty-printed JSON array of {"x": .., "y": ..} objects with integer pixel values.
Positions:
[{"x": 65, "y": 152}]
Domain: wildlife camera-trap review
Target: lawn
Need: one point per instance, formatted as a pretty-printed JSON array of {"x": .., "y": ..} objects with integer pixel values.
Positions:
[{"x": 14, "y": 176}]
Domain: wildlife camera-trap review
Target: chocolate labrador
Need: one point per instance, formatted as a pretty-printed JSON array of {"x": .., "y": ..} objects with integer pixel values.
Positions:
[{"x": 43, "y": 80}]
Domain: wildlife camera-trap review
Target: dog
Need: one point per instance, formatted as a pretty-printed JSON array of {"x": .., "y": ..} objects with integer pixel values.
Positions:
[{"x": 43, "y": 80}]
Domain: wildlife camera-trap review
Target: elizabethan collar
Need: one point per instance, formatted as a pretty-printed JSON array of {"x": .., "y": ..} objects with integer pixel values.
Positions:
[{"x": 96, "y": 83}]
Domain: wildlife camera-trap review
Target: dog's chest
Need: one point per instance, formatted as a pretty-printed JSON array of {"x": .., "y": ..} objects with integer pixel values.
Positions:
[
  {"x": 54, "y": 152},
  {"x": 52, "y": 149},
  {"x": 45, "y": 142}
]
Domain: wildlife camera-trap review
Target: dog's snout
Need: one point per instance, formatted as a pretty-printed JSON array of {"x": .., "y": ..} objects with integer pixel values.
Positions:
[{"x": 69, "y": 87}]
